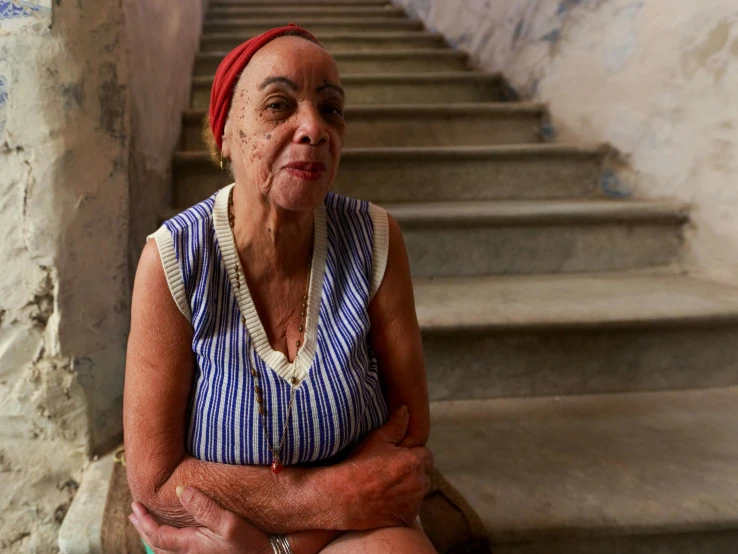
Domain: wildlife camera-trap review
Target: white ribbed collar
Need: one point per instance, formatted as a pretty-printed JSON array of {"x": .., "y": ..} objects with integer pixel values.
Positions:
[{"x": 277, "y": 361}]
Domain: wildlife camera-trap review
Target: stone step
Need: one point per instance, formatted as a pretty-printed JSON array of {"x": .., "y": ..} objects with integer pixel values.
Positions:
[
  {"x": 564, "y": 334},
  {"x": 314, "y": 25},
  {"x": 388, "y": 88},
  {"x": 480, "y": 124},
  {"x": 297, "y": 13},
  {"x": 450, "y": 173},
  {"x": 607, "y": 474},
  {"x": 399, "y": 61},
  {"x": 532, "y": 237},
  {"x": 357, "y": 42},
  {"x": 527, "y": 237},
  {"x": 427, "y": 174},
  {"x": 298, "y": 3}
]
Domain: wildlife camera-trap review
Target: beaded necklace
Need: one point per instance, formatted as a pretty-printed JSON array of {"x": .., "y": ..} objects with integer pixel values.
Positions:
[{"x": 276, "y": 451}]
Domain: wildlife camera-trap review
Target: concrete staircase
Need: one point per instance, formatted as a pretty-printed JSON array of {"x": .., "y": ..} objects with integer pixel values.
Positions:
[{"x": 582, "y": 384}]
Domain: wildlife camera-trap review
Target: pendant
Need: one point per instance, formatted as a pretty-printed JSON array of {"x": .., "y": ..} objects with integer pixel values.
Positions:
[{"x": 276, "y": 465}]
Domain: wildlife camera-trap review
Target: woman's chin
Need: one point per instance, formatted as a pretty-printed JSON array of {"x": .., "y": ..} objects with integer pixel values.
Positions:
[{"x": 299, "y": 196}]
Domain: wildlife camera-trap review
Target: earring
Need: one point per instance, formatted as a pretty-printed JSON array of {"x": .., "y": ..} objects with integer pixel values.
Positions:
[{"x": 221, "y": 160}]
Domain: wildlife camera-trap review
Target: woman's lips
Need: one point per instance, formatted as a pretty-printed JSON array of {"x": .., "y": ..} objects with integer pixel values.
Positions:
[{"x": 310, "y": 171}]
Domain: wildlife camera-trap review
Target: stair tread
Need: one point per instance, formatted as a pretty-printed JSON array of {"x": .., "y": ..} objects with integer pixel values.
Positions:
[
  {"x": 251, "y": 11},
  {"x": 296, "y": 3},
  {"x": 567, "y": 301},
  {"x": 536, "y": 149},
  {"x": 367, "y": 54},
  {"x": 538, "y": 211},
  {"x": 358, "y": 36},
  {"x": 473, "y": 108},
  {"x": 443, "y": 76},
  {"x": 293, "y": 3},
  {"x": 307, "y": 21},
  {"x": 633, "y": 463}
]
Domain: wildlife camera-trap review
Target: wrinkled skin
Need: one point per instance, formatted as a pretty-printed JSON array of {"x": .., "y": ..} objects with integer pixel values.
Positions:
[{"x": 272, "y": 126}]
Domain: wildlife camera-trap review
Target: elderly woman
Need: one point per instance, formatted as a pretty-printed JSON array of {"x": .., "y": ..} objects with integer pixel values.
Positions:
[{"x": 273, "y": 332}]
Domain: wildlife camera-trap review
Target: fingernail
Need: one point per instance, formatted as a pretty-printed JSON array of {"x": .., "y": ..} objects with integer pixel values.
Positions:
[
  {"x": 187, "y": 494},
  {"x": 133, "y": 519},
  {"x": 136, "y": 509},
  {"x": 180, "y": 488},
  {"x": 403, "y": 410}
]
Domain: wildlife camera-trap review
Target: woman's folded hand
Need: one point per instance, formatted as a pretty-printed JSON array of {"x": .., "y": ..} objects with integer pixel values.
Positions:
[
  {"x": 387, "y": 483},
  {"x": 220, "y": 531}
]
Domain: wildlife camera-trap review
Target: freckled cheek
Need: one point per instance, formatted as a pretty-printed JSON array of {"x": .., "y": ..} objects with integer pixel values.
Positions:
[
  {"x": 264, "y": 148},
  {"x": 255, "y": 153},
  {"x": 243, "y": 140},
  {"x": 336, "y": 144}
]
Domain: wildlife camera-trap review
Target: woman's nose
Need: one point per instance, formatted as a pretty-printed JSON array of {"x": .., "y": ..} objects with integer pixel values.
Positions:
[{"x": 311, "y": 127}]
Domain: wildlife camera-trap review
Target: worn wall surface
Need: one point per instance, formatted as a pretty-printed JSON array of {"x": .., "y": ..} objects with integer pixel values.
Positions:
[
  {"x": 63, "y": 284},
  {"x": 82, "y": 116},
  {"x": 656, "y": 78}
]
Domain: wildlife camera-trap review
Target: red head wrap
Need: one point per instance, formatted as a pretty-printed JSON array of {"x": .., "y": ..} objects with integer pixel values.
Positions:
[{"x": 230, "y": 70}]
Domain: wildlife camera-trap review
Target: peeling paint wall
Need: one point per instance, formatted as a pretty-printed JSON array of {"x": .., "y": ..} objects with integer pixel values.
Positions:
[
  {"x": 64, "y": 208},
  {"x": 655, "y": 78},
  {"x": 84, "y": 117}
]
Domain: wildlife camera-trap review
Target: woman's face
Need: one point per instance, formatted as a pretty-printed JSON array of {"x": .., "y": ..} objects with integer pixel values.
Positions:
[{"x": 285, "y": 130}]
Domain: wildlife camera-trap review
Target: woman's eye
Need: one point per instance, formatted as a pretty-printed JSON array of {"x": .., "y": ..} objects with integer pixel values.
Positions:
[
  {"x": 333, "y": 110},
  {"x": 277, "y": 105}
]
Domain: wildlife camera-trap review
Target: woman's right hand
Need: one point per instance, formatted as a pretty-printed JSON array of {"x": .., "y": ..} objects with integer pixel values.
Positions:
[
  {"x": 220, "y": 531},
  {"x": 386, "y": 482}
]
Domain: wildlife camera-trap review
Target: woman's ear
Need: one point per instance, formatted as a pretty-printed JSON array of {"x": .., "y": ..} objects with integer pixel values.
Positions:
[{"x": 226, "y": 147}]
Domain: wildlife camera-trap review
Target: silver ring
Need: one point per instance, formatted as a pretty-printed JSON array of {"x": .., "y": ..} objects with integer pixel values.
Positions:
[{"x": 280, "y": 544}]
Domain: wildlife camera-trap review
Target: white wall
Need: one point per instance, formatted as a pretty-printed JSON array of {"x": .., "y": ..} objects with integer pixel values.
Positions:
[
  {"x": 90, "y": 95},
  {"x": 655, "y": 78}
]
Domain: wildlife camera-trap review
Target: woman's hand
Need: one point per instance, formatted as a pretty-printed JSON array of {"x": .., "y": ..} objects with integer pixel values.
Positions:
[
  {"x": 221, "y": 531},
  {"x": 387, "y": 482}
]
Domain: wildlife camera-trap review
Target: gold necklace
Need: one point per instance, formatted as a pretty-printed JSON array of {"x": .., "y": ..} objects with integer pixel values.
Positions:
[{"x": 276, "y": 452}]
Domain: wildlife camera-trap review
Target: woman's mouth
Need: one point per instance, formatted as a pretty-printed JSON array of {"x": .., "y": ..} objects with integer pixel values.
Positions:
[{"x": 310, "y": 171}]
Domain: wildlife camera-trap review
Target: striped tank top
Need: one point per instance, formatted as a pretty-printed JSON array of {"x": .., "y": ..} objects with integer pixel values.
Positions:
[{"x": 338, "y": 397}]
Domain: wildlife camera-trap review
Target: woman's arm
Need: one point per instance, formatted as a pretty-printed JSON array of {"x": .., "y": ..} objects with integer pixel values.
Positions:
[
  {"x": 395, "y": 338},
  {"x": 219, "y": 531},
  {"x": 364, "y": 493}
]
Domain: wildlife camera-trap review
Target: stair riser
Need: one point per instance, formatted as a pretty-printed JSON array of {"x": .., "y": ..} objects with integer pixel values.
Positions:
[
  {"x": 298, "y": 3},
  {"x": 480, "y": 130},
  {"x": 477, "y": 364},
  {"x": 379, "y": 92},
  {"x": 353, "y": 44},
  {"x": 450, "y": 250},
  {"x": 307, "y": 12},
  {"x": 420, "y": 64},
  {"x": 706, "y": 542},
  {"x": 391, "y": 130},
  {"x": 493, "y": 178},
  {"x": 425, "y": 181},
  {"x": 316, "y": 26}
]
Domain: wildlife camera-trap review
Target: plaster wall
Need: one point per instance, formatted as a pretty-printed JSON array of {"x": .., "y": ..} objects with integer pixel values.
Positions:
[
  {"x": 85, "y": 121},
  {"x": 655, "y": 78}
]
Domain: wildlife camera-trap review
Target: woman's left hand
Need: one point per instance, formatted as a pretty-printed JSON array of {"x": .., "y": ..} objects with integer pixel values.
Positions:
[{"x": 221, "y": 531}]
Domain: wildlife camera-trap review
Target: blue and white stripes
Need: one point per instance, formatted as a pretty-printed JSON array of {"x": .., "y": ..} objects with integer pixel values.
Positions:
[{"x": 338, "y": 398}]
